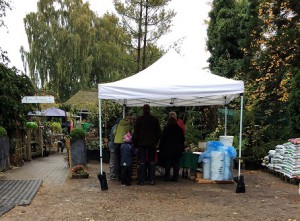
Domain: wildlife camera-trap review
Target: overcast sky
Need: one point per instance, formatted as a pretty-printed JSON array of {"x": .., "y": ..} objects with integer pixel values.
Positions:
[{"x": 188, "y": 24}]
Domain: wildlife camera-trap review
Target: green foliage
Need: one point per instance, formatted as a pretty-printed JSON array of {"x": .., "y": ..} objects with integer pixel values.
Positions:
[
  {"x": 223, "y": 38},
  {"x": 258, "y": 42},
  {"x": 77, "y": 133},
  {"x": 3, "y": 132},
  {"x": 93, "y": 119},
  {"x": 70, "y": 45},
  {"x": 110, "y": 112},
  {"x": 56, "y": 127},
  {"x": 193, "y": 126},
  {"x": 31, "y": 125},
  {"x": 65, "y": 107},
  {"x": 294, "y": 105},
  {"x": 92, "y": 144},
  {"x": 13, "y": 87}
]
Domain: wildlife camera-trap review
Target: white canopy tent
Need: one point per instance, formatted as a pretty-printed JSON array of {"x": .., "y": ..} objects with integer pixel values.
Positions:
[{"x": 172, "y": 81}]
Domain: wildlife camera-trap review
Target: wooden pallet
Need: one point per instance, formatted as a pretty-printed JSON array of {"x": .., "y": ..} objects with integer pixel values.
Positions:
[
  {"x": 203, "y": 181},
  {"x": 200, "y": 180},
  {"x": 291, "y": 180},
  {"x": 134, "y": 168}
]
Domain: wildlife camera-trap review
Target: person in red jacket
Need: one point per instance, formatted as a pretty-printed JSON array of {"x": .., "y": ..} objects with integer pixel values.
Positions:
[{"x": 179, "y": 121}]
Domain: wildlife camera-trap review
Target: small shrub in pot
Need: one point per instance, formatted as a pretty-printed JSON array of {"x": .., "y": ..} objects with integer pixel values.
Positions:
[
  {"x": 3, "y": 132},
  {"x": 77, "y": 133}
]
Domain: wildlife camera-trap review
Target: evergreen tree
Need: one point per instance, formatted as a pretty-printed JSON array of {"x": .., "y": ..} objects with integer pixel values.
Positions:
[
  {"x": 223, "y": 38},
  {"x": 146, "y": 21}
]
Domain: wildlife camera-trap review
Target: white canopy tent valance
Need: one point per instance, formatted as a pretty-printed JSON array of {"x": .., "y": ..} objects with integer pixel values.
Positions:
[{"x": 172, "y": 81}]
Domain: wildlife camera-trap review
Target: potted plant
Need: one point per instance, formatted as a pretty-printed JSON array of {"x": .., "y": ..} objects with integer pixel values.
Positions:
[
  {"x": 3, "y": 132},
  {"x": 56, "y": 127},
  {"x": 77, "y": 133},
  {"x": 92, "y": 150},
  {"x": 31, "y": 125},
  {"x": 79, "y": 172}
]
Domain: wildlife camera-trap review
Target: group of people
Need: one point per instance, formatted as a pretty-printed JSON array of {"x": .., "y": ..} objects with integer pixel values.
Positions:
[{"x": 144, "y": 137}]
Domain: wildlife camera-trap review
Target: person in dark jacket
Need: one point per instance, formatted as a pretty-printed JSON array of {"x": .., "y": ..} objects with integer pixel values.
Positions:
[
  {"x": 146, "y": 136},
  {"x": 171, "y": 147},
  {"x": 127, "y": 152}
]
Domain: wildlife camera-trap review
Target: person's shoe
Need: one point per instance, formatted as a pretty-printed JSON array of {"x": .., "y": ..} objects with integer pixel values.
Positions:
[{"x": 152, "y": 182}]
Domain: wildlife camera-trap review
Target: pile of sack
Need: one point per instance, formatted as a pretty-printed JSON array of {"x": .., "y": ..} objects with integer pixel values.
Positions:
[{"x": 217, "y": 161}]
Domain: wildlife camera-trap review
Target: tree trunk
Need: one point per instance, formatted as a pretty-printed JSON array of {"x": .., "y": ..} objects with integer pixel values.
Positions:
[
  {"x": 145, "y": 36},
  {"x": 139, "y": 37}
]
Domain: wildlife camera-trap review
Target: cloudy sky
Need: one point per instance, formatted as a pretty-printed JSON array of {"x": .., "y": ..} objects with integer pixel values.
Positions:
[{"x": 188, "y": 24}]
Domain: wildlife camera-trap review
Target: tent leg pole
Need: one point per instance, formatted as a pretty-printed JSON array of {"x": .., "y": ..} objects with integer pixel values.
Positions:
[
  {"x": 100, "y": 137},
  {"x": 225, "y": 133},
  {"x": 240, "y": 138},
  {"x": 124, "y": 109}
]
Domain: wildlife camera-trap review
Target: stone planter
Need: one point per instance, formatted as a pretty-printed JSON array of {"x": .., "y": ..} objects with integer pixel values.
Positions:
[
  {"x": 80, "y": 176},
  {"x": 78, "y": 152},
  {"x": 4, "y": 153}
]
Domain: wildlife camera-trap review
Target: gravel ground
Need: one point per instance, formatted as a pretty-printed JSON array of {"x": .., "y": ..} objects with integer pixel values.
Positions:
[{"x": 267, "y": 197}]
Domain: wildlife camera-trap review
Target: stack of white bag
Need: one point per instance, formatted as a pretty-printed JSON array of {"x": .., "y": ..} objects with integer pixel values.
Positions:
[
  {"x": 291, "y": 160},
  {"x": 217, "y": 161},
  {"x": 268, "y": 160},
  {"x": 277, "y": 158}
]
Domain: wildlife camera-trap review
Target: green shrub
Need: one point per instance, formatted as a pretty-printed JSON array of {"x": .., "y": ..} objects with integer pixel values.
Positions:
[
  {"x": 93, "y": 145},
  {"x": 56, "y": 127},
  {"x": 31, "y": 125},
  {"x": 77, "y": 133},
  {"x": 3, "y": 132}
]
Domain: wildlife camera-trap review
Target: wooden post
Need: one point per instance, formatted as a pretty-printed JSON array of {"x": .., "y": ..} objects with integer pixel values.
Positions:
[
  {"x": 68, "y": 145},
  {"x": 28, "y": 146}
]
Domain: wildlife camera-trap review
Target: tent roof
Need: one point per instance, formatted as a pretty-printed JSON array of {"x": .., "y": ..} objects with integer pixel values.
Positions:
[
  {"x": 50, "y": 112},
  {"x": 54, "y": 112},
  {"x": 172, "y": 81}
]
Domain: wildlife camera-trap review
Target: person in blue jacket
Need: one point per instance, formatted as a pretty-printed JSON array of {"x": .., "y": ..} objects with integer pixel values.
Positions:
[{"x": 127, "y": 152}]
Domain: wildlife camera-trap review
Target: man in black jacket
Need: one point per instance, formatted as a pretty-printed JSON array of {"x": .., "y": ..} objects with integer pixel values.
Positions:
[{"x": 146, "y": 136}]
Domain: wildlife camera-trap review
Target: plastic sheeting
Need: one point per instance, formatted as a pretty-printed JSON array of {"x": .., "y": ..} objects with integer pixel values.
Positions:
[{"x": 217, "y": 161}]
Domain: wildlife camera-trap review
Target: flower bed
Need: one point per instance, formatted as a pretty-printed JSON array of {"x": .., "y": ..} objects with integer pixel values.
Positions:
[{"x": 79, "y": 172}]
